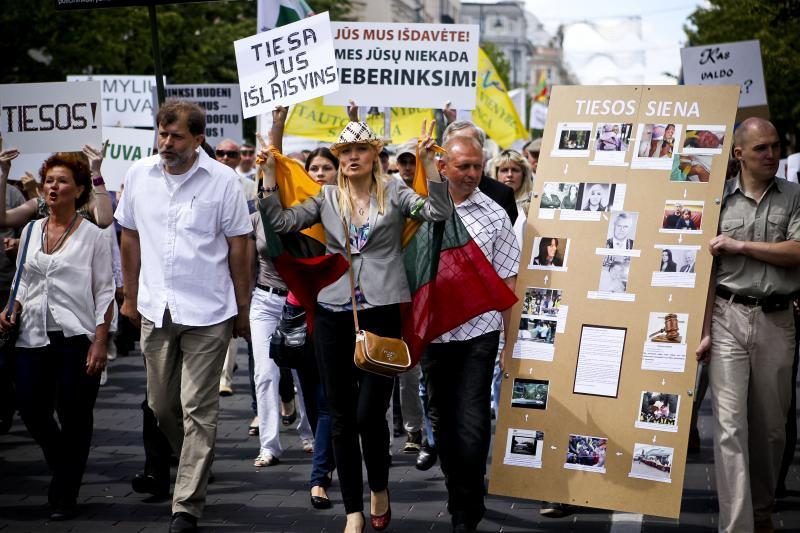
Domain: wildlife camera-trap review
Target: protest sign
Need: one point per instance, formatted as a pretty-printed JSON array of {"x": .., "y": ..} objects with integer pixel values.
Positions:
[
  {"x": 125, "y": 147},
  {"x": 57, "y": 117},
  {"x": 406, "y": 65},
  {"x": 126, "y": 99},
  {"x": 286, "y": 65},
  {"x": 222, "y": 106},
  {"x": 736, "y": 63}
]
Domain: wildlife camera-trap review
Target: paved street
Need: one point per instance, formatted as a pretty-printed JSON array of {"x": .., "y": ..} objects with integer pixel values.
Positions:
[{"x": 276, "y": 499}]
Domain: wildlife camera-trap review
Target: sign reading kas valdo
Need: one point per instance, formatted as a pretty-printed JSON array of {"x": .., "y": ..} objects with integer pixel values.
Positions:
[
  {"x": 57, "y": 117},
  {"x": 286, "y": 65},
  {"x": 406, "y": 65},
  {"x": 727, "y": 64}
]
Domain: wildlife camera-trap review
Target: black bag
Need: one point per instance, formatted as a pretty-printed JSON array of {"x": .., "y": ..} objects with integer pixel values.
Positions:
[
  {"x": 8, "y": 339},
  {"x": 288, "y": 341}
]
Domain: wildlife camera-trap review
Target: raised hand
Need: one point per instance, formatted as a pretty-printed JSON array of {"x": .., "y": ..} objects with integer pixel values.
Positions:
[
  {"x": 6, "y": 156},
  {"x": 352, "y": 111},
  {"x": 95, "y": 156}
]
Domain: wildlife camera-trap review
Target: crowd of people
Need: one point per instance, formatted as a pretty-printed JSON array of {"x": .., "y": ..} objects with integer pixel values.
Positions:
[{"x": 90, "y": 262}]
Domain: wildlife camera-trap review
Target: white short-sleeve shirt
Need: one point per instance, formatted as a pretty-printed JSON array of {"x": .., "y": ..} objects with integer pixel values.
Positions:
[{"x": 183, "y": 238}]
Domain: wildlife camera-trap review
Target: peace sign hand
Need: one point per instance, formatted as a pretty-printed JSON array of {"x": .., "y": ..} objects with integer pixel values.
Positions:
[{"x": 427, "y": 151}]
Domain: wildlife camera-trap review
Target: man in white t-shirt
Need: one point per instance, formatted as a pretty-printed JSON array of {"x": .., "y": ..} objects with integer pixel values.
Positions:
[{"x": 186, "y": 276}]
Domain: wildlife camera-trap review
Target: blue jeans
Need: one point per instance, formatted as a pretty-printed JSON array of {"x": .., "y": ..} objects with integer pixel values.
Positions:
[
  {"x": 427, "y": 427},
  {"x": 458, "y": 376},
  {"x": 322, "y": 463}
]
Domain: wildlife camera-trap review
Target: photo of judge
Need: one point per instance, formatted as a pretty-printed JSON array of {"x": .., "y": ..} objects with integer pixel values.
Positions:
[
  {"x": 688, "y": 265},
  {"x": 621, "y": 231},
  {"x": 548, "y": 253},
  {"x": 667, "y": 264},
  {"x": 596, "y": 197}
]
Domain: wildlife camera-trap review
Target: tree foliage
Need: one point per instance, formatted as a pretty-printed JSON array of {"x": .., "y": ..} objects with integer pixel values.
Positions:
[
  {"x": 501, "y": 63},
  {"x": 776, "y": 24},
  {"x": 196, "y": 39}
]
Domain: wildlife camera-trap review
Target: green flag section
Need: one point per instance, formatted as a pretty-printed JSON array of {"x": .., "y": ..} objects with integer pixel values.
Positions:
[
  {"x": 451, "y": 282},
  {"x": 275, "y": 13}
]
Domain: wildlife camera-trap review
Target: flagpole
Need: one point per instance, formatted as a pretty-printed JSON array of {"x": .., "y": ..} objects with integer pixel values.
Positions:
[{"x": 159, "y": 71}]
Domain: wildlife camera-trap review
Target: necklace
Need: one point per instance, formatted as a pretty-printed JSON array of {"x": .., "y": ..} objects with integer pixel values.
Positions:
[
  {"x": 61, "y": 239},
  {"x": 360, "y": 209}
]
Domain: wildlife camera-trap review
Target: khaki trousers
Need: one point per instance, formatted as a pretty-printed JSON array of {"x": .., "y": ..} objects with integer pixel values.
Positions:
[
  {"x": 183, "y": 371},
  {"x": 750, "y": 375}
]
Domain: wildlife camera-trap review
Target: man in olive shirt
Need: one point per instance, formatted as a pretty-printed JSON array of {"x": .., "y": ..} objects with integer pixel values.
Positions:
[{"x": 748, "y": 334}]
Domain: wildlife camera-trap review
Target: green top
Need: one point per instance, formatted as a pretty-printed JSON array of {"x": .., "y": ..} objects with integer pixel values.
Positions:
[{"x": 776, "y": 218}]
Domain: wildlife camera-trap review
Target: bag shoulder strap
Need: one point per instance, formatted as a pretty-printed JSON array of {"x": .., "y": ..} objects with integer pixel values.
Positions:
[
  {"x": 18, "y": 276},
  {"x": 350, "y": 273}
]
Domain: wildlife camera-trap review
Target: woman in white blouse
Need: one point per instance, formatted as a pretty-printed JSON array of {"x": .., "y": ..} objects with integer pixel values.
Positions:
[{"x": 64, "y": 308}]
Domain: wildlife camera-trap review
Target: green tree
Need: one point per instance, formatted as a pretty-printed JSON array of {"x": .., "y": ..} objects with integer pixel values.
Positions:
[
  {"x": 501, "y": 63},
  {"x": 776, "y": 24}
]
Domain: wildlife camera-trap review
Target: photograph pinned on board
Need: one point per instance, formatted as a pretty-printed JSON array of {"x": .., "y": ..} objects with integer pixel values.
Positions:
[
  {"x": 703, "y": 139},
  {"x": 530, "y": 393},
  {"x": 549, "y": 253},
  {"x": 682, "y": 216},
  {"x": 676, "y": 266},
  {"x": 557, "y": 195},
  {"x": 614, "y": 275},
  {"x": 691, "y": 168},
  {"x": 586, "y": 453},
  {"x": 572, "y": 139},
  {"x": 652, "y": 462},
  {"x": 611, "y": 143},
  {"x": 598, "y": 197},
  {"x": 665, "y": 347},
  {"x": 658, "y": 411},
  {"x": 524, "y": 448},
  {"x": 541, "y": 303},
  {"x": 543, "y": 315},
  {"x": 537, "y": 330},
  {"x": 621, "y": 233},
  {"x": 655, "y": 145}
]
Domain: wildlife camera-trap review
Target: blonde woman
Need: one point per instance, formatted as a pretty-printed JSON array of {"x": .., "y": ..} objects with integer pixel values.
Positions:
[
  {"x": 512, "y": 168},
  {"x": 369, "y": 209}
]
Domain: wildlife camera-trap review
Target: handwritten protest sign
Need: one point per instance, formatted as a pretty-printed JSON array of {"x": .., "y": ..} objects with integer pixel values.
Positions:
[
  {"x": 289, "y": 64},
  {"x": 126, "y": 99},
  {"x": 221, "y": 103},
  {"x": 736, "y": 63},
  {"x": 125, "y": 147},
  {"x": 406, "y": 65},
  {"x": 57, "y": 117}
]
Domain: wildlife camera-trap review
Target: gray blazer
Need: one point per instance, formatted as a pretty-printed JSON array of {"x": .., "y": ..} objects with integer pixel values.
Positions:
[{"x": 378, "y": 268}]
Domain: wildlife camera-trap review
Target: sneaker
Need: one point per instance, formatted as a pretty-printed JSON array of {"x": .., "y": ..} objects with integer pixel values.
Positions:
[
  {"x": 413, "y": 442},
  {"x": 308, "y": 445},
  {"x": 104, "y": 376},
  {"x": 265, "y": 459},
  {"x": 253, "y": 429},
  {"x": 553, "y": 509}
]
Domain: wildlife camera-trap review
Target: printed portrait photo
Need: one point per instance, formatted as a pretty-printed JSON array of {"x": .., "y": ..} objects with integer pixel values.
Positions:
[
  {"x": 559, "y": 196},
  {"x": 614, "y": 274},
  {"x": 549, "y": 253},
  {"x": 621, "y": 232},
  {"x": 596, "y": 196}
]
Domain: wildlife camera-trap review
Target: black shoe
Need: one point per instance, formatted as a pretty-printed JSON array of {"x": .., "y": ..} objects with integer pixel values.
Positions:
[
  {"x": 182, "y": 523},
  {"x": 150, "y": 484},
  {"x": 427, "y": 457},
  {"x": 320, "y": 502},
  {"x": 413, "y": 442},
  {"x": 63, "y": 512}
]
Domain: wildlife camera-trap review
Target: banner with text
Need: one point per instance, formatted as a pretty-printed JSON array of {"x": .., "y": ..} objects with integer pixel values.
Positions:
[
  {"x": 727, "y": 64},
  {"x": 222, "y": 106},
  {"x": 287, "y": 65},
  {"x": 406, "y": 65},
  {"x": 126, "y": 99},
  {"x": 125, "y": 147},
  {"x": 57, "y": 117}
]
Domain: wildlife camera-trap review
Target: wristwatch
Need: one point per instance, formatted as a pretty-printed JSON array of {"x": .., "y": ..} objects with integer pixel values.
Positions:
[{"x": 98, "y": 181}]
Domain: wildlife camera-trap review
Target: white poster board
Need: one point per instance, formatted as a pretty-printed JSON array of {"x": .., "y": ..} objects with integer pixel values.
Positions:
[
  {"x": 286, "y": 65},
  {"x": 406, "y": 65},
  {"x": 126, "y": 99},
  {"x": 60, "y": 116},
  {"x": 125, "y": 147},
  {"x": 736, "y": 63},
  {"x": 221, "y": 103}
]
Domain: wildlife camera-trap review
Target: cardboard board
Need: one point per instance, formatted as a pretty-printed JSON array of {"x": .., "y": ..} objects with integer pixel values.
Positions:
[{"x": 620, "y": 366}]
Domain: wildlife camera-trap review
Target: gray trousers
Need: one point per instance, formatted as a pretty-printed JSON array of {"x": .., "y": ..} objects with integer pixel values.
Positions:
[
  {"x": 183, "y": 371},
  {"x": 750, "y": 373}
]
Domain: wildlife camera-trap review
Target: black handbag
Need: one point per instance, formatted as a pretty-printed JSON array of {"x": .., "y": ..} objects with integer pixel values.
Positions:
[
  {"x": 9, "y": 338},
  {"x": 288, "y": 342}
]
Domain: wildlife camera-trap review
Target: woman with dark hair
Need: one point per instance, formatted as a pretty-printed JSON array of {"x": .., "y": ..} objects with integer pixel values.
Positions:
[
  {"x": 322, "y": 165},
  {"x": 365, "y": 211},
  {"x": 570, "y": 201},
  {"x": 64, "y": 307},
  {"x": 548, "y": 247},
  {"x": 667, "y": 264}
]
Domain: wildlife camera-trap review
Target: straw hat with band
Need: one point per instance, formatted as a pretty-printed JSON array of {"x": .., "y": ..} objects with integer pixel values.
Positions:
[{"x": 356, "y": 133}]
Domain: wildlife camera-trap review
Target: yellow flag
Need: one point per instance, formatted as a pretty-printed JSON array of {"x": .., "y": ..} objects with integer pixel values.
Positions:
[
  {"x": 494, "y": 110},
  {"x": 315, "y": 120}
]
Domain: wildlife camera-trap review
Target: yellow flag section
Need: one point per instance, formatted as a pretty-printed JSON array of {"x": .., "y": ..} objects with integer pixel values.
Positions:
[
  {"x": 294, "y": 186},
  {"x": 494, "y": 110},
  {"x": 315, "y": 120}
]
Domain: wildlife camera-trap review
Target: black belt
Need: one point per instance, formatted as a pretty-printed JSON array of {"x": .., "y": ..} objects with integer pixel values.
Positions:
[
  {"x": 752, "y": 301},
  {"x": 273, "y": 290}
]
